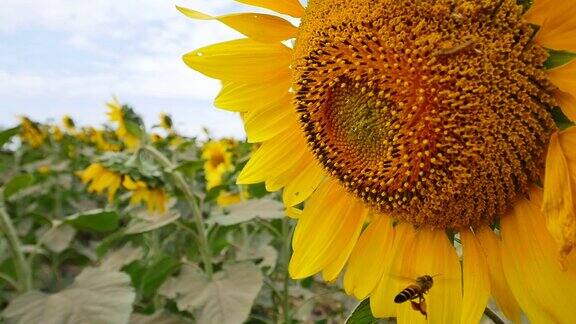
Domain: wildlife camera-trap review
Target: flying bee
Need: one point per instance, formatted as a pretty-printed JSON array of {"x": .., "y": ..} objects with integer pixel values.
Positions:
[{"x": 417, "y": 290}]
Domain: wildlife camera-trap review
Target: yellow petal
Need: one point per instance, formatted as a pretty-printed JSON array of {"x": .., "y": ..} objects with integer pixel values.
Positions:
[
  {"x": 429, "y": 253},
  {"x": 287, "y": 7},
  {"x": 240, "y": 60},
  {"x": 500, "y": 290},
  {"x": 476, "y": 279},
  {"x": 259, "y": 27},
  {"x": 278, "y": 182},
  {"x": 538, "y": 12},
  {"x": 543, "y": 290},
  {"x": 382, "y": 298},
  {"x": 558, "y": 205},
  {"x": 302, "y": 186},
  {"x": 346, "y": 243},
  {"x": 293, "y": 212},
  {"x": 113, "y": 187},
  {"x": 563, "y": 78},
  {"x": 265, "y": 123},
  {"x": 567, "y": 104},
  {"x": 273, "y": 158},
  {"x": 91, "y": 172},
  {"x": 242, "y": 96},
  {"x": 557, "y": 20},
  {"x": 324, "y": 231},
  {"x": 370, "y": 258}
]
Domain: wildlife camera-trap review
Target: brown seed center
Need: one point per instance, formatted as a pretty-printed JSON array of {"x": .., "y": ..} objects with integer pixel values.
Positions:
[{"x": 435, "y": 113}]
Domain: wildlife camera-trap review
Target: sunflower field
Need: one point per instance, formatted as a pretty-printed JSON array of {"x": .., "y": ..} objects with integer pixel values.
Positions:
[{"x": 119, "y": 224}]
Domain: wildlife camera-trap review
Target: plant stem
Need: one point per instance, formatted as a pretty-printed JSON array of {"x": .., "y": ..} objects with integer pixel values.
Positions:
[
  {"x": 286, "y": 256},
  {"x": 493, "y": 316},
  {"x": 202, "y": 237},
  {"x": 22, "y": 266}
]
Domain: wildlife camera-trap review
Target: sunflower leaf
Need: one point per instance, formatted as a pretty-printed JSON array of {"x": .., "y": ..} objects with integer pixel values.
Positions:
[
  {"x": 248, "y": 210},
  {"x": 17, "y": 183},
  {"x": 562, "y": 122},
  {"x": 97, "y": 220},
  {"x": 558, "y": 58},
  {"x": 96, "y": 296},
  {"x": 362, "y": 314},
  {"x": 526, "y": 4},
  {"x": 7, "y": 134},
  {"x": 226, "y": 299}
]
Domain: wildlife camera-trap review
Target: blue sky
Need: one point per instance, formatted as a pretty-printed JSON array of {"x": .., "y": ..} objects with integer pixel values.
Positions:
[{"x": 70, "y": 57}]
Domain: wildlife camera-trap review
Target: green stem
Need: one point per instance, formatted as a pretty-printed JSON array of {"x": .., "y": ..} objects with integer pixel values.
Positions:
[
  {"x": 286, "y": 256},
  {"x": 202, "y": 237},
  {"x": 22, "y": 266},
  {"x": 493, "y": 316}
]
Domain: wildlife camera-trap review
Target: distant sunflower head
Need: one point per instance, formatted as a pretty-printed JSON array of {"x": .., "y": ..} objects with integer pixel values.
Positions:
[
  {"x": 128, "y": 123},
  {"x": 166, "y": 121},
  {"x": 68, "y": 123},
  {"x": 408, "y": 127},
  {"x": 217, "y": 161},
  {"x": 31, "y": 133},
  {"x": 114, "y": 173}
]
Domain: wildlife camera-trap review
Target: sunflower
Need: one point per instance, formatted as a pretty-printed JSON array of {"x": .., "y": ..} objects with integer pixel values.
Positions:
[
  {"x": 166, "y": 122},
  {"x": 408, "y": 128},
  {"x": 117, "y": 113},
  {"x": 101, "y": 179},
  {"x": 68, "y": 123},
  {"x": 56, "y": 133},
  {"x": 155, "y": 198},
  {"x": 217, "y": 161},
  {"x": 31, "y": 133},
  {"x": 99, "y": 138},
  {"x": 228, "y": 198}
]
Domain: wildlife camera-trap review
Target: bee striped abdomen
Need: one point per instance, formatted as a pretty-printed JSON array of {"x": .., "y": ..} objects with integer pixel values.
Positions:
[{"x": 409, "y": 293}]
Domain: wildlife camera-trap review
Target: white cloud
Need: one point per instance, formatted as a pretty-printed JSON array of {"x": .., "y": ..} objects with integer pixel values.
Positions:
[{"x": 133, "y": 49}]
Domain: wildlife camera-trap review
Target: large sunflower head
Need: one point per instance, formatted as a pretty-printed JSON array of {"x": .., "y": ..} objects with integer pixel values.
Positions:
[{"x": 408, "y": 127}]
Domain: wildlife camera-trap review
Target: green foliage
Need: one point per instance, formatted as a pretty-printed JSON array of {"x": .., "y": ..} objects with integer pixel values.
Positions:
[
  {"x": 95, "y": 220},
  {"x": 17, "y": 183},
  {"x": 6, "y": 135},
  {"x": 217, "y": 254},
  {"x": 362, "y": 314},
  {"x": 558, "y": 58},
  {"x": 96, "y": 296}
]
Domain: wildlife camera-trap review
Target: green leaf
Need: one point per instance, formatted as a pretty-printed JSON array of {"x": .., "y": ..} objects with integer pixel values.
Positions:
[
  {"x": 562, "y": 122},
  {"x": 58, "y": 238},
  {"x": 362, "y": 314},
  {"x": 96, "y": 220},
  {"x": 226, "y": 299},
  {"x": 7, "y": 134},
  {"x": 17, "y": 183},
  {"x": 96, "y": 296},
  {"x": 248, "y": 210},
  {"x": 147, "y": 223},
  {"x": 189, "y": 168},
  {"x": 133, "y": 128},
  {"x": 157, "y": 273},
  {"x": 160, "y": 317},
  {"x": 525, "y": 3},
  {"x": 116, "y": 260},
  {"x": 558, "y": 58}
]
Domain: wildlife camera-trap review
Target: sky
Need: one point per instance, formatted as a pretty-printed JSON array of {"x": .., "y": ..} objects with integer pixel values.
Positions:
[{"x": 70, "y": 57}]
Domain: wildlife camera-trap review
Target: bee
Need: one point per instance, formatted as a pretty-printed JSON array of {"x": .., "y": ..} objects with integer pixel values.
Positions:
[{"x": 417, "y": 290}]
